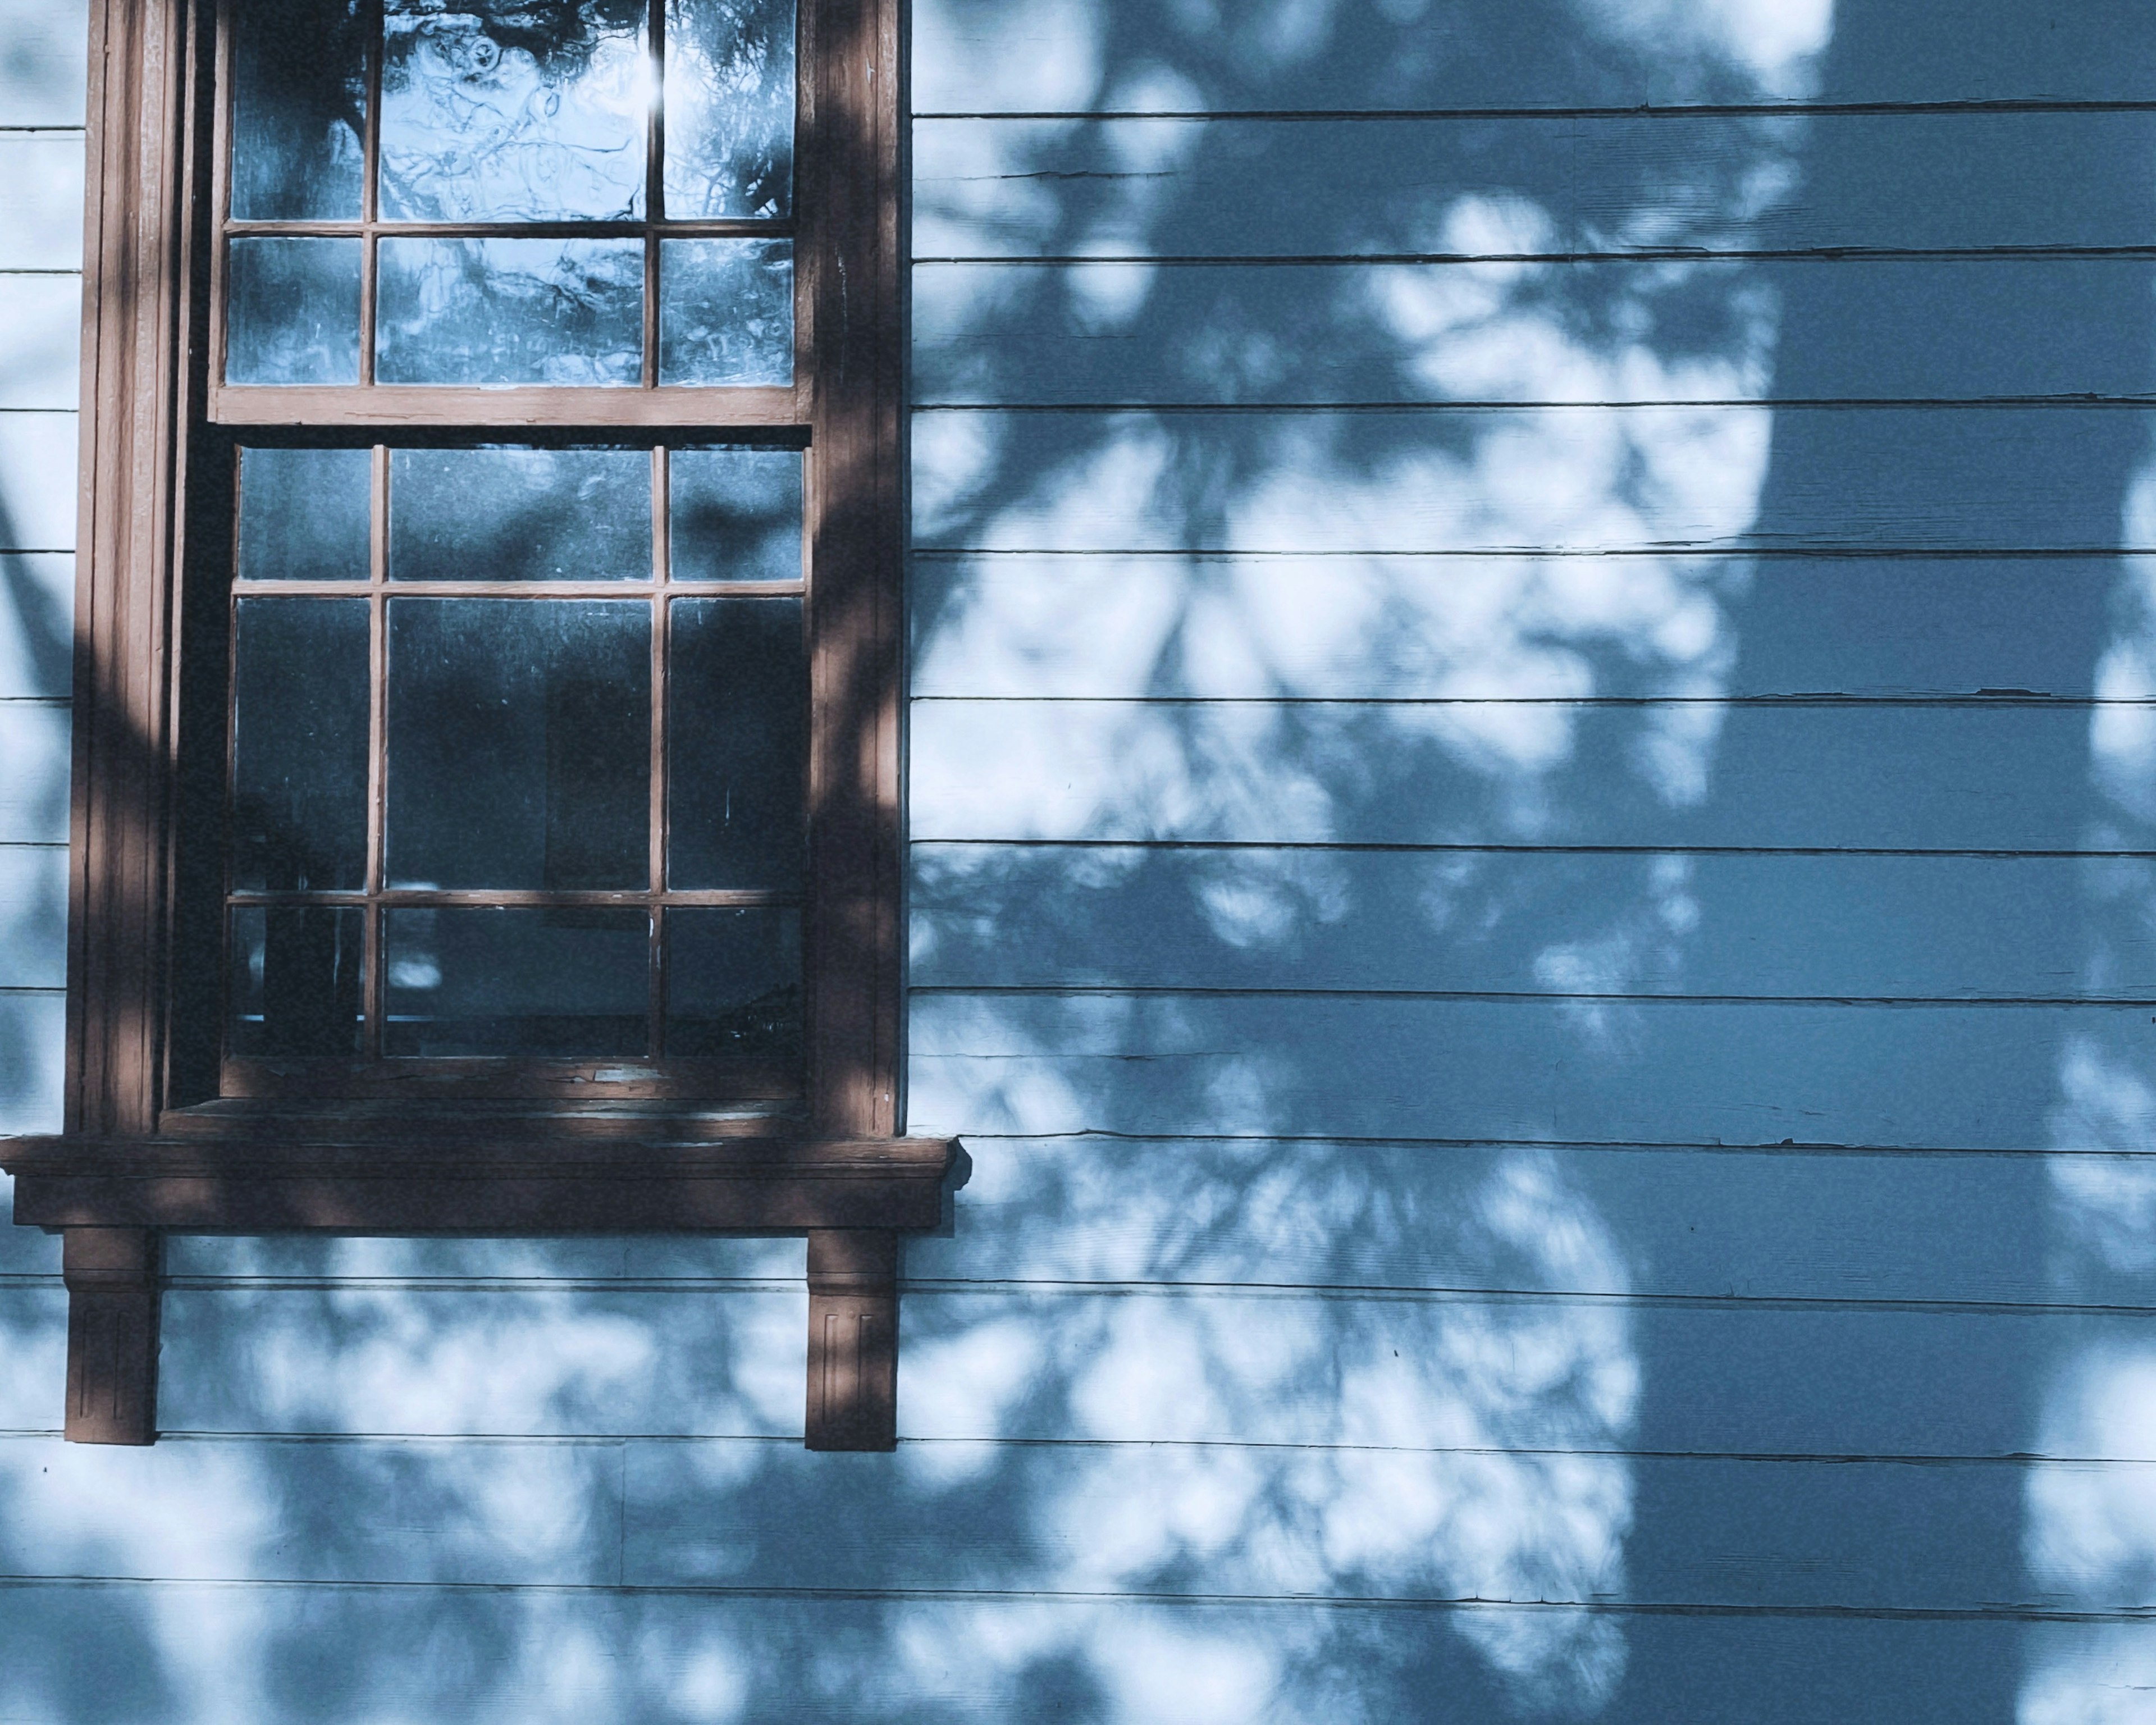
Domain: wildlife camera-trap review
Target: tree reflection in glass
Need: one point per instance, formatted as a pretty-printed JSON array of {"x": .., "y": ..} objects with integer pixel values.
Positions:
[{"x": 529, "y": 113}]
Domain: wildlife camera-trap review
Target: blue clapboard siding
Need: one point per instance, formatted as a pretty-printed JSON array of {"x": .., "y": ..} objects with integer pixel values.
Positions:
[
  {"x": 1662, "y": 478},
  {"x": 1258, "y": 627},
  {"x": 1520, "y": 922},
  {"x": 1741, "y": 1373},
  {"x": 42, "y": 66},
  {"x": 537, "y": 1653},
  {"x": 1953, "y": 775},
  {"x": 1609, "y": 185},
  {"x": 991, "y": 57},
  {"x": 1354, "y": 331}
]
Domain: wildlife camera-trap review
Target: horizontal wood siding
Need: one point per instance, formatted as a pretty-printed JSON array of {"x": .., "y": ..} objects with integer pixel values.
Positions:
[
  {"x": 1528, "y": 736},
  {"x": 41, "y": 192}
]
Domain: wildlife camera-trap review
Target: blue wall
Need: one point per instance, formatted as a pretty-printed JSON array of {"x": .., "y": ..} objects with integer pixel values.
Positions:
[{"x": 1533, "y": 754}]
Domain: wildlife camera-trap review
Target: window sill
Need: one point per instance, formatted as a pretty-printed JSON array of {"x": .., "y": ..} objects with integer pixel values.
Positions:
[{"x": 509, "y": 1170}]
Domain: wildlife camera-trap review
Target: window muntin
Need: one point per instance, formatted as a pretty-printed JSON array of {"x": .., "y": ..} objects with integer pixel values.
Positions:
[
  {"x": 590, "y": 194},
  {"x": 518, "y": 748}
]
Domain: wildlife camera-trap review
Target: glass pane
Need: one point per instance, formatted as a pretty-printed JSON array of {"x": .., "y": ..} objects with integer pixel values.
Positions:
[
  {"x": 295, "y": 982},
  {"x": 726, "y": 311},
  {"x": 520, "y": 514},
  {"x": 510, "y": 311},
  {"x": 565, "y": 983},
  {"x": 299, "y": 792},
  {"x": 733, "y": 982},
  {"x": 735, "y": 515},
  {"x": 303, "y": 513},
  {"x": 512, "y": 113},
  {"x": 736, "y": 699},
  {"x": 520, "y": 744},
  {"x": 729, "y": 108},
  {"x": 299, "y": 107},
  {"x": 294, "y": 312}
]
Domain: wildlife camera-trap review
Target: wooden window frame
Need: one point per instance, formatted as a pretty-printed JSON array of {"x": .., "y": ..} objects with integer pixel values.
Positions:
[{"x": 139, "y": 1155}]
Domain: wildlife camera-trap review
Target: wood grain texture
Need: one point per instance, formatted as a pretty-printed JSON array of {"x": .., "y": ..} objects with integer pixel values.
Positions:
[
  {"x": 1896, "y": 775},
  {"x": 1603, "y": 185},
  {"x": 41, "y": 189},
  {"x": 1135, "y": 1364},
  {"x": 1573, "y": 479},
  {"x": 1022, "y": 56},
  {"x": 1661, "y": 1071}
]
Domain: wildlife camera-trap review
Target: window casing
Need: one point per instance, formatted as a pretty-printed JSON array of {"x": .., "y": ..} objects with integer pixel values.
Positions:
[{"x": 657, "y": 1118}]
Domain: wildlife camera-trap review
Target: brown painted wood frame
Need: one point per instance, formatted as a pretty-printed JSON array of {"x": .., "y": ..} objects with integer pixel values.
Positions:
[{"x": 140, "y": 1154}]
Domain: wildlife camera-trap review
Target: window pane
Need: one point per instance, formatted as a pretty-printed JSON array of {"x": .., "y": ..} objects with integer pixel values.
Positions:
[
  {"x": 299, "y": 794},
  {"x": 520, "y": 514},
  {"x": 565, "y": 983},
  {"x": 299, "y": 106},
  {"x": 527, "y": 113},
  {"x": 510, "y": 311},
  {"x": 520, "y": 744},
  {"x": 733, "y": 982},
  {"x": 729, "y": 108},
  {"x": 726, "y": 311},
  {"x": 304, "y": 514},
  {"x": 735, "y": 515},
  {"x": 295, "y": 982},
  {"x": 294, "y": 312},
  {"x": 736, "y": 695}
]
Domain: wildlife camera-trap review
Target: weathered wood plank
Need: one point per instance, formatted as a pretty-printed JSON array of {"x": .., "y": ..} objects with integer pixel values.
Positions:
[
  {"x": 40, "y": 366},
  {"x": 291, "y": 1655},
  {"x": 1995, "y": 776},
  {"x": 1575, "y": 480},
  {"x": 1645, "y": 1072},
  {"x": 1509, "y": 627},
  {"x": 41, "y": 200},
  {"x": 41, "y": 71},
  {"x": 1022, "y": 56},
  {"x": 1971, "y": 328},
  {"x": 33, "y": 789},
  {"x": 1559, "y": 184},
  {"x": 1870, "y": 927},
  {"x": 33, "y": 1029},
  {"x": 37, "y": 481}
]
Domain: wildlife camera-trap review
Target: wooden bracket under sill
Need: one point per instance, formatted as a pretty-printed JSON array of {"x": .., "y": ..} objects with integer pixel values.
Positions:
[{"x": 114, "y": 1198}]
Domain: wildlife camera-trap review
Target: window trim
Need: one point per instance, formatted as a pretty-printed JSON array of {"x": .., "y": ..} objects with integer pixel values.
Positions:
[{"x": 126, "y": 1168}]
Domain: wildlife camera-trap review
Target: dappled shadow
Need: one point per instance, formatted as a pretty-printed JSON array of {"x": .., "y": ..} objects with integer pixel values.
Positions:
[{"x": 1338, "y": 854}]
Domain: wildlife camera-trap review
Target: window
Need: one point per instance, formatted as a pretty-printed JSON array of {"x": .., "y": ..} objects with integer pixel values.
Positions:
[{"x": 485, "y": 814}]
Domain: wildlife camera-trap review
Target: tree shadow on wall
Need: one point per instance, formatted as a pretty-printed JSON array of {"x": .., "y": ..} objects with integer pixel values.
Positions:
[{"x": 1282, "y": 1277}]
